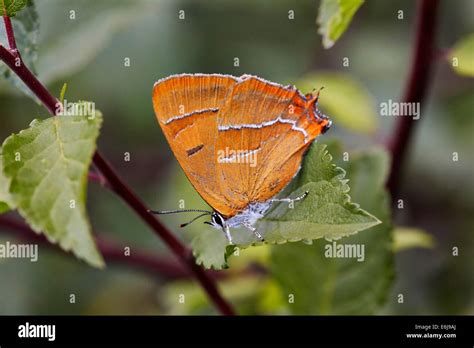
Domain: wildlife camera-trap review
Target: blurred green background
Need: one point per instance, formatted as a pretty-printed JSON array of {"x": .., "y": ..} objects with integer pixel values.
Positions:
[{"x": 89, "y": 53}]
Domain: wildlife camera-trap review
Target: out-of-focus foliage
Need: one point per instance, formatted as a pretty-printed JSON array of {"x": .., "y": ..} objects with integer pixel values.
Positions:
[
  {"x": 462, "y": 56},
  {"x": 345, "y": 100},
  {"x": 92, "y": 36},
  {"x": 184, "y": 297},
  {"x": 406, "y": 238},
  {"x": 334, "y": 17}
]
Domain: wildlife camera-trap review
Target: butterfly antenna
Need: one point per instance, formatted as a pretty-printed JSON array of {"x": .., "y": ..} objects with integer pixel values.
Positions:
[
  {"x": 315, "y": 96},
  {"x": 189, "y": 222},
  {"x": 162, "y": 212}
]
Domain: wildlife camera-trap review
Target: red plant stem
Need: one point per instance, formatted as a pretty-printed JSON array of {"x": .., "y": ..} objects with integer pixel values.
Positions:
[
  {"x": 16, "y": 65},
  {"x": 122, "y": 190},
  {"x": 9, "y": 31},
  {"x": 415, "y": 89}
]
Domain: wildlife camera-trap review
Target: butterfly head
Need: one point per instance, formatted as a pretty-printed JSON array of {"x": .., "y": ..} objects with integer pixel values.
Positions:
[
  {"x": 312, "y": 105},
  {"x": 217, "y": 220}
]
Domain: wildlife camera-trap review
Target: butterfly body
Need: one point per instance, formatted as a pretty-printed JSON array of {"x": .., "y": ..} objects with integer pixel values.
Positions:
[
  {"x": 251, "y": 214},
  {"x": 239, "y": 140}
]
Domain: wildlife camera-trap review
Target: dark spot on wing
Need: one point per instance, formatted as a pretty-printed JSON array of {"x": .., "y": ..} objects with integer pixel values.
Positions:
[
  {"x": 193, "y": 150},
  {"x": 273, "y": 185}
]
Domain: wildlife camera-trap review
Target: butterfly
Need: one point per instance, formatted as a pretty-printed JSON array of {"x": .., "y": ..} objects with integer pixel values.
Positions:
[{"x": 239, "y": 140}]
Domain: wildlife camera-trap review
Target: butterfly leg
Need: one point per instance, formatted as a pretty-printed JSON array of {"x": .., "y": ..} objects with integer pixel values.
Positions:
[
  {"x": 226, "y": 230},
  {"x": 254, "y": 230},
  {"x": 290, "y": 200}
]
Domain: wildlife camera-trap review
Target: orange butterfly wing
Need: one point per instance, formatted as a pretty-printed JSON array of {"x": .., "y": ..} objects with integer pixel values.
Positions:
[
  {"x": 273, "y": 122},
  {"x": 186, "y": 108},
  {"x": 206, "y": 117}
]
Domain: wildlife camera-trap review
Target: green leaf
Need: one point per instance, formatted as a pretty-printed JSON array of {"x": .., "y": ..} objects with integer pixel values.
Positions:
[
  {"x": 210, "y": 253},
  {"x": 209, "y": 249},
  {"x": 462, "y": 56},
  {"x": 344, "y": 100},
  {"x": 48, "y": 165},
  {"x": 334, "y": 17},
  {"x": 312, "y": 282},
  {"x": 6, "y": 201},
  {"x": 11, "y": 7},
  {"x": 26, "y": 27},
  {"x": 327, "y": 212},
  {"x": 407, "y": 238}
]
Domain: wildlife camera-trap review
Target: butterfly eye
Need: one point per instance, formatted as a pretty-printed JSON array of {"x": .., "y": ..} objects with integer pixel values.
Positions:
[
  {"x": 217, "y": 219},
  {"x": 326, "y": 127}
]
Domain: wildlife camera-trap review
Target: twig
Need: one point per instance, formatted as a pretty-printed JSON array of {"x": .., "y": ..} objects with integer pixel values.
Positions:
[
  {"x": 122, "y": 190},
  {"x": 16, "y": 65},
  {"x": 9, "y": 31},
  {"x": 415, "y": 89}
]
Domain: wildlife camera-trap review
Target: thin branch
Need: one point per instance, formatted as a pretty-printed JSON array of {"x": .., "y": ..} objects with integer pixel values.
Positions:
[
  {"x": 122, "y": 190},
  {"x": 10, "y": 36},
  {"x": 15, "y": 63},
  {"x": 415, "y": 89}
]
